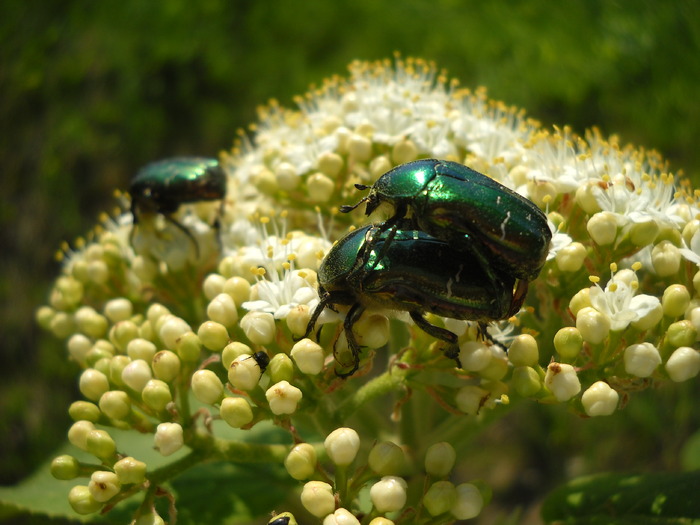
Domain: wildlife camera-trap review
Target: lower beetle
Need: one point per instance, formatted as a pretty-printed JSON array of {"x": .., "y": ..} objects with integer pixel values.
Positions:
[
  {"x": 456, "y": 204},
  {"x": 161, "y": 187},
  {"x": 411, "y": 271}
]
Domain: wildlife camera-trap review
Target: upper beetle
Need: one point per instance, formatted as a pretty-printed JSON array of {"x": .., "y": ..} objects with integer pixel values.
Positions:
[
  {"x": 162, "y": 186},
  {"x": 454, "y": 203},
  {"x": 408, "y": 270}
]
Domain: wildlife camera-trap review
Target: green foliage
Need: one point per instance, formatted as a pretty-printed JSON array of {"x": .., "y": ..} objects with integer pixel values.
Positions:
[{"x": 625, "y": 499}]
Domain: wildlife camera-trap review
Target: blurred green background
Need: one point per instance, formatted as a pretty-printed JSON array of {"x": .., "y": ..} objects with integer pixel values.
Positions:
[{"x": 90, "y": 91}]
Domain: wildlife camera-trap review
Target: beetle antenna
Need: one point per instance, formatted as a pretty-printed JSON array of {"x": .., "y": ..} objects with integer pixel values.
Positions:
[
  {"x": 346, "y": 208},
  {"x": 362, "y": 187}
]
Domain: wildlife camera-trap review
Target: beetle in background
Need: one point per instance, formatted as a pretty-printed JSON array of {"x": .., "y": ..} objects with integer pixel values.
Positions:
[{"x": 162, "y": 186}]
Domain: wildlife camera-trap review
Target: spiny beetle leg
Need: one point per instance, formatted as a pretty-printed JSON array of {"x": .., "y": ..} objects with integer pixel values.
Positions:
[{"x": 439, "y": 333}]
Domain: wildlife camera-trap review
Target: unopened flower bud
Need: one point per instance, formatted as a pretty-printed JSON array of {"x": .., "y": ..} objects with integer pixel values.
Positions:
[
  {"x": 136, "y": 374},
  {"x": 440, "y": 459},
  {"x": 641, "y": 359},
  {"x": 84, "y": 410},
  {"x": 280, "y": 368},
  {"x": 372, "y": 331},
  {"x": 320, "y": 187},
  {"x": 645, "y": 232},
  {"x": 65, "y": 467},
  {"x": 238, "y": 288},
  {"x": 593, "y": 325},
  {"x": 360, "y": 148},
  {"x": 388, "y": 494},
  {"x": 90, "y": 322},
  {"x": 149, "y": 518},
  {"x": 213, "y": 336},
  {"x": 469, "y": 502},
  {"x": 82, "y": 501},
  {"x": 523, "y": 351},
  {"x": 440, "y": 498},
  {"x": 317, "y": 497},
  {"x": 570, "y": 258},
  {"x": 168, "y": 438},
  {"x": 301, "y": 461},
  {"x": 675, "y": 300},
  {"x": 474, "y": 355},
  {"x": 115, "y": 404},
  {"x": 130, "y": 471},
  {"x": 222, "y": 309},
  {"x": 404, "y": 151},
  {"x": 139, "y": 348},
  {"x": 156, "y": 394},
  {"x": 259, "y": 327},
  {"x": 122, "y": 333},
  {"x": 526, "y": 381},
  {"x": 207, "y": 387},
  {"x": 471, "y": 398},
  {"x": 580, "y": 300},
  {"x": 308, "y": 356},
  {"x": 386, "y": 458},
  {"x": 78, "y": 433},
  {"x": 213, "y": 285},
  {"x": 286, "y": 176},
  {"x": 236, "y": 411},
  {"x": 562, "y": 381},
  {"x": 341, "y": 517},
  {"x": 98, "y": 272},
  {"x": 666, "y": 258},
  {"x": 78, "y": 348},
  {"x": 568, "y": 342},
  {"x": 342, "y": 446},
  {"x": 233, "y": 350},
  {"x": 170, "y": 329},
  {"x": 602, "y": 228},
  {"x": 330, "y": 163},
  {"x": 104, "y": 485},
  {"x": 188, "y": 347},
  {"x": 166, "y": 365},
  {"x": 62, "y": 325},
  {"x": 119, "y": 309},
  {"x": 683, "y": 364},
  {"x": 600, "y": 399},
  {"x": 244, "y": 373},
  {"x": 381, "y": 521},
  {"x": 298, "y": 319},
  {"x": 93, "y": 384},
  {"x": 265, "y": 182},
  {"x": 681, "y": 333},
  {"x": 100, "y": 444},
  {"x": 283, "y": 398}
]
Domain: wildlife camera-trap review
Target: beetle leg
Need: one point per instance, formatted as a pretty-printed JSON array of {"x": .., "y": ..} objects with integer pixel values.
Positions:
[
  {"x": 518, "y": 297},
  {"x": 326, "y": 299},
  {"x": 438, "y": 333},
  {"x": 484, "y": 335},
  {"x": 350, "y": 319}
]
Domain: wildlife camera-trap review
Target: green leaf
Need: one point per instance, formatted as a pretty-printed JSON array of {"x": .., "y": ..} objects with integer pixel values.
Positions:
[
  {"x": 662, "y": 498},
  {"x": 224, "y": 493}
]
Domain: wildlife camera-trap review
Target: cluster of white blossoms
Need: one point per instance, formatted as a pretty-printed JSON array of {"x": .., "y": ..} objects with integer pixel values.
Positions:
[{"x": 157, "y": 319}]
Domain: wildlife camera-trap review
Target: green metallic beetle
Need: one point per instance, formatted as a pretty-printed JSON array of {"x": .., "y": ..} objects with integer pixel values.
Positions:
[
  {"x": 408, "y": 270},
  {"x": 161, "y": 187},
  {"x": 507, "y": 233}
]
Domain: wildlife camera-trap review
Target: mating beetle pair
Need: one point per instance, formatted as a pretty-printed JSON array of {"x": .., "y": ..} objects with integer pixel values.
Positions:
[
  {"x": 411, "y": 271},
  {"x": 459, "y": 253},
  {"x": 161, "y": 187}
]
